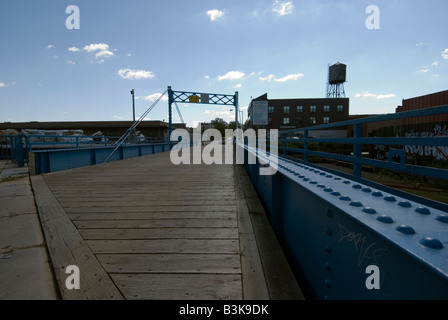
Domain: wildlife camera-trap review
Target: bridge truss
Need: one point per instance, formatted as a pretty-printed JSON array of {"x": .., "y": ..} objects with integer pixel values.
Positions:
[{"x": 200, "y": 98}]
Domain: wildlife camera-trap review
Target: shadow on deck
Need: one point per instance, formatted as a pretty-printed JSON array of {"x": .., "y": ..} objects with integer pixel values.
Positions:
[{"x": 144, "y": 228}]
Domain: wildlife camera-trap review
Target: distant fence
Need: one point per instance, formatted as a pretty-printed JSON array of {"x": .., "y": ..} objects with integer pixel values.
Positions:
[
  {"x": 46, "y": 161},
  {"x": 18, "y": 147},
  {"x": 393, "y": 152},
  {"x": 14, "y": 147}
]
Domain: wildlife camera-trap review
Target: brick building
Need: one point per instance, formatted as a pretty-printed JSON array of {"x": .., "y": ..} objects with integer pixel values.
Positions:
[{"x": 287, "y": 114}]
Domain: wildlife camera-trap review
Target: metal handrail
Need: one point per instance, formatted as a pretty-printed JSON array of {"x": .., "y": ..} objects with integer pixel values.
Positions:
[{"x": 398, "y": 144}]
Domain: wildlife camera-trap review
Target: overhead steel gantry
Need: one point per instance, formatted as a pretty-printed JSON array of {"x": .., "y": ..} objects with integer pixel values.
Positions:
[{"x": 201, "y": 98}]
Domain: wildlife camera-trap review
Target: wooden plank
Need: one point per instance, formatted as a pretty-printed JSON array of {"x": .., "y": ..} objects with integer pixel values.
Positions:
[
  {"x": 120, "y": 215},
  {"x": 63, "y": 197},
  {"x": 179, "y": 286},
  {"x": 229, "y": 246},
  {"x": 66, "y": 247},
  {"x": 161, "y": 233},
  {"x": 150, "y": 203},
  {"x": 171, "y": 263},
  {"x": 280, "y": 280},
  {"x": 151, "y": 209},
  {"x": 253, "y": 275},
  {"x": 156, "y": 223}
]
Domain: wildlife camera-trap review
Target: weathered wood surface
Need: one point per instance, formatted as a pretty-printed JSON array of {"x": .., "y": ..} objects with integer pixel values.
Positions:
[
  {"x": 67, "y": 247},
  {"x": 155, "y": 230}
]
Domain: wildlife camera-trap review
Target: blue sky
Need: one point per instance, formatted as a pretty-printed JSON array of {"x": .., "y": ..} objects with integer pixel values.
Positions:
[{"x": 51, "y": 73}]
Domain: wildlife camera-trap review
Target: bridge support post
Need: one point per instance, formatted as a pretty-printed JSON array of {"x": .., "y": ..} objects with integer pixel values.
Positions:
[
  {"x": 357, "y": 150},
  {"x": 170, "y": 112},
  {"x": 306, "y": 146}
]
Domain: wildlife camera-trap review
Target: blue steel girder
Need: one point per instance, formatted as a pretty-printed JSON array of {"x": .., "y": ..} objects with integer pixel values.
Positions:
[
  {"x": 333, "y": 228},
  {"x": 200, "y": 98},
  {"x": 218, "y": 99}
]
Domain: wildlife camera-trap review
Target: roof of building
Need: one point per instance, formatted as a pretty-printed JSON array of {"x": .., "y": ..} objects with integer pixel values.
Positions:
[{"x": 80, "y": 125}]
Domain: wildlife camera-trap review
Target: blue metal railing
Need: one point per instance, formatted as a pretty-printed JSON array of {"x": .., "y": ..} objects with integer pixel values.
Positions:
[
  {"x": 46, "y": 161},
  {"x": 13, "y": 147},
  {"x": 396, "y": 146},
  {"x": 54, "y": 141},
  {"x": 18, "y": 147},
  {"x": 334, "y": 226}
]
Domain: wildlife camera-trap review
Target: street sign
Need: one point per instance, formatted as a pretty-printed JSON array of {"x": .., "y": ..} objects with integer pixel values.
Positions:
[
  {"x": 260, "y": 113},
  {"x": 193, "y": 99}
]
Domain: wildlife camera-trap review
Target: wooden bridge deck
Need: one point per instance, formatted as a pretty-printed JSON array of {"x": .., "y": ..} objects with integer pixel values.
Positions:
[{"x": 144, "y": 228}]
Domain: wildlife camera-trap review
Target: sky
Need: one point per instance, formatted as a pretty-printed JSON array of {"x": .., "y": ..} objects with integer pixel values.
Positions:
[{"x": 56, "y": 67}]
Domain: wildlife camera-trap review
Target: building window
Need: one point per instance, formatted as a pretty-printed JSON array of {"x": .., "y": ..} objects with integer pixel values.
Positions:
[
  {"x": 286, "y": 109},
  {"x": 326, "y": 108},
  {"x": 299, "y": 120},
  {"x": 313, "y": 108},
  {"x": 271, "y": 109},
  {"x": 313, "y": 120},
  {"x": 285, "y": 120},
  {"x": 340, "y": 108},
  {"x": 326, "y": 119},
  {"x": 299, "y": 108},
  {"x": 269, "y": 120}
]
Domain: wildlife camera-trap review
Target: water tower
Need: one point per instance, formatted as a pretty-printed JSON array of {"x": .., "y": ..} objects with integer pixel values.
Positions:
[{"x": 336, "y": 77}]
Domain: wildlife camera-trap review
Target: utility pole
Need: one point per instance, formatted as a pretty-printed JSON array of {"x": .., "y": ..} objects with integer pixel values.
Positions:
[{"x": 133, "y": 108}]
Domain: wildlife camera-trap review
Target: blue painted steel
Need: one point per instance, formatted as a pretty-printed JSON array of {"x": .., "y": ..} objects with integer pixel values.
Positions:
[
  {"x": 17, "y": 147},
  {"x": 47, "y": 161},
  {"x": 211, "y": 98},
  {"x": 358, "y": 141},
  {"x": 5, "y": 146},
  {"x": 14, "y": 147},
  {"x": 332, "y": 228}
]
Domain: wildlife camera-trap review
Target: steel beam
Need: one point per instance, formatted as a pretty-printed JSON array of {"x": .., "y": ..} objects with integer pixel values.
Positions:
[{"x": 333, "y": 228}]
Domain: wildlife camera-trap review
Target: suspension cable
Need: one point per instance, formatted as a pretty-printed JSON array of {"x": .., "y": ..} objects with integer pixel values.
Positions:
[{"x": 134, "y": 125}]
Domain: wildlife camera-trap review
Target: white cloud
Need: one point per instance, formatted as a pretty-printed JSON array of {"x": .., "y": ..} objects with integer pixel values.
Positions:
[
  {"x": 445, "y": 54},
  {"x": 232, "y": 75},
  {"x": 282, "y": 8},
  {"x": 435, "y": 63},
  {"x": 367, "y": 94},
  {"x": 385, "y": 96},
  {"x": 269, "y": 78},
  {"x": 71, "y": 62},
  {"x": 50, "y": 46},
  {"x": 207, "y": 77},
  {"x": 135, "y": 74},
  {"x": 3, "y": 85},
  {"x": 101, "y": 49},
  {"x": 155, "y": 96},
  {"x": 226, "y": 114},
  {"x": 104, "y": 53},
  {"x": 424, "y": 70},
  {"x": 215, "y": 14},
  {"x": 74, "y": 49},
  {"x": 239, "y": 85},
  {"x": 95, "y": 47},
  {"x": 290, "y": 77}
]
